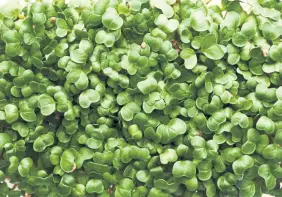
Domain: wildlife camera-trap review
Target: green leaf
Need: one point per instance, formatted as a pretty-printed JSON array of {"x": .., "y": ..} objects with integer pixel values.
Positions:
[
  {"x": 270, "y": 31},
  {"x": 94, "y": 186},
  {"x": 37, "y": 7},
  {"x": 208, "y": 41},
  {"x": 210, "y": 188},
  {"x": 26, "y": 113},
  {"x": 100, "y": 7},
  {"x": 93, "y": 143},
  {"x": 249, "y": 27},
  {"x": 278, "y": 137},
  {"x": 190, "y": 58},
  {"x": 79, "y": 78},
  {"x": 174, "y": 128},
  {"x": 37, "y": 87},
  {"x": 127, "y": 111},
  {"x": 102, "y": 37},
  {"x": 65, "y": 185},
  {"x": 242, "y": 164},
  {"x": 46, "y": 104},
  {"x": 210, "y": 48},
  {"x": 139, "y": 153},
  {"x": 25, "y": 167},
  {"x": 134, "y": 131},
  {"x": 247, "y": 188},
  {"x": 21, "y": 128},
  {"x": 239, "y": 39},
  {"x": 177, "y": 125},
  {"x": 231, "y": 20},
  {"x": 86, "y": 98},
  {"x": 198, "y": 142},
  {"x": 198, "y": 21},
  {"x": 78, "y": 56},
  {"x": 79, "y": 190},
  {"x": 62, "y": 27},
  {"x": 277, "y": 108},
  {"x": 148, "y": 85},
  {"x": 111, "y": 19},
  {"x": 264, "y": 11},
  {"x": 279, "y": 93},
  {"x": 86, "y": 46},
  {"x": 11, "y": 113},
  {"x": 166, "y": 9},
  {"x": 39, "y": 18},
  {"x": 67, "y": 162},
  {"x": 271, "y": 68},
  {"x": 233, "y": 59},
  {"x": 240, "y": 119},
  {"x": 199, "y": 145},
  {"x": 275, "y": 52},
  {"x": 11, "y": 36},
  {"x": 191, "y": 184},
  {"x": 4, "y": 139},
  {"x": 270, "y": 151},
  {"x": 43, "y": 141},
  {"x": 142, "y": 176},
  {"x": 248, "y": 147},
  {"x": 205, "y": 170},
  {"x": 13, "y": 49},
  {"x": 183, "y": 169},
  {"x": 265, "y": 124},
  {"x": 167, "y": 25},
  {"x": 265, "y": 172},
  {"x": 167, "y": 156}
]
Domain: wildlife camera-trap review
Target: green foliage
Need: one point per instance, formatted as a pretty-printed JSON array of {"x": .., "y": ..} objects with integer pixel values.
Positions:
[{"x": 141, "y": 98}]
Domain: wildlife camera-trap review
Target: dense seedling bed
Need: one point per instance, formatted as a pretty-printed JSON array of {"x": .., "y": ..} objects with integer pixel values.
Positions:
[{"x": 140, "y": 98}]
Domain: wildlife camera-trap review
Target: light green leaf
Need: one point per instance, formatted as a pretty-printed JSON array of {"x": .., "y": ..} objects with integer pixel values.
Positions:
[
  {"x": 242, "y": 164},
  {"x": 148, "y": 85},
  {"x": 265, "y": 172},
  {"x": 62, "y": 27},
  {"x": 167, "y": 156},
  {"x": 164, "y": 6},
  {"x": 39, "y": 18},
  {"x": 231, "y": 20},
  {"x": 247, "y": 188},
  {"x": 190, "y": 58},
  {"x": 279, "y": 93},
  {"x": 78, "y": 56},
  {"x": 93, "y": 143},
  {"x": 174, "y": 128},
  {"x": 102, "y": 37},
  {"x": 24, "y": 167},
  {"x": 265, "y": 124},
  {"x": 167, "y": 25},
  {"x": 239, "y": 39},
  {"x": 94, "y": 186},
  {"x": 67, "y": 162},
  {"x": 11, "y": 113},
  {"x": 199, "y": 20},
  {"x": 86, "y": 98},
  {"x": 43, "y": 141},
  {"x": 4, "y": 139},
  {"x": 21, "y": 128},
  {"x": 184, "y": 169},
  {"x": 111, "y": 19},
  {"x": 46, "y": 104},
  {"x": 210, "y": 48},
  {"x": 128, "y": 110}
]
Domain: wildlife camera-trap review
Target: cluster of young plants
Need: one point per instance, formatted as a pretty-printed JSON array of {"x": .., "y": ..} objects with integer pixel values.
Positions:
[{"x": 138, "y": 98}]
